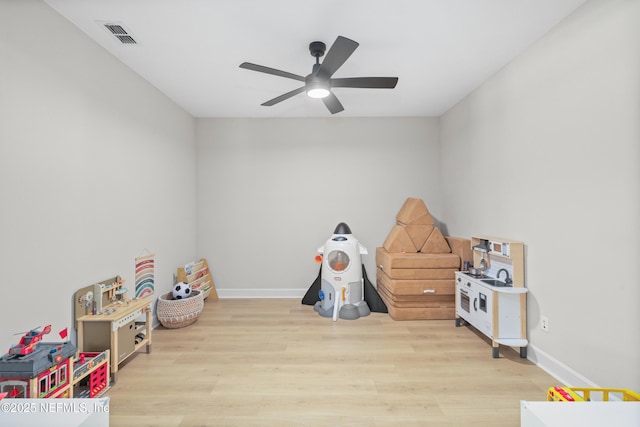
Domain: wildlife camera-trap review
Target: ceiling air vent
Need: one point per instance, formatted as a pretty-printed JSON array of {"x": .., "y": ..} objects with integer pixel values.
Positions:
[
  {"x": 120, "y": 33},
  {"x": 126, "y": 39}
]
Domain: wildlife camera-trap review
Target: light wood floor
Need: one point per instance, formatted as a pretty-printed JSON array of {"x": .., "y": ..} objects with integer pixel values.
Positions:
[{"x": 276, "y": 362}]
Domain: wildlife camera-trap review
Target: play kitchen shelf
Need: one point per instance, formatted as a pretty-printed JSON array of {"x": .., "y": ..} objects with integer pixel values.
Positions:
[
  {"x": 491, "y": 296},
  {"x": 499, "y": 253}
]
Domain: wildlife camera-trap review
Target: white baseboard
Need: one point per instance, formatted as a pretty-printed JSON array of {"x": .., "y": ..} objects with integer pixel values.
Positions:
[
  {"x": 564, "y": 374},
  {"x": 261, "y": 293}
]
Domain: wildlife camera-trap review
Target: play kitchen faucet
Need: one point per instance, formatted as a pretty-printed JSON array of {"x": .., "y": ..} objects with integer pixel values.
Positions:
[{"x": 507, "y": 280}]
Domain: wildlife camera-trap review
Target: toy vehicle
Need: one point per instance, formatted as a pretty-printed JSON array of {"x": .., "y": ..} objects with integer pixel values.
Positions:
[{"x": 29, "y": 341}]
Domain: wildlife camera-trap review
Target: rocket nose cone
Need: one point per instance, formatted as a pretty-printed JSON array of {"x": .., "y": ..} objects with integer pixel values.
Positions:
[{"x": 342, "y": 228}]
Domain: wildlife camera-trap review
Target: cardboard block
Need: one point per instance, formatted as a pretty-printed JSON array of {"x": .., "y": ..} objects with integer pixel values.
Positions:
[
  {"x": 421, "y": 273},
  {"x": 462, "y": 248},
  {"x": 418, "y": 233},
  {"x": 418, "y": 301},
  {"x": 400, "y": 310},
  {"x": 398, "y": 240},
  {"x": 445, "y": 313},
  {"x": 423, "y": 289},
  {"x": 388, "y": 260},
  {"x": 435, "y": 244},
  {"x": 414, "y": 212}
]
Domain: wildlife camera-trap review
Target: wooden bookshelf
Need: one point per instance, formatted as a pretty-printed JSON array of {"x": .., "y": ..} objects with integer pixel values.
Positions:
[{"x": 199, "y": 278}]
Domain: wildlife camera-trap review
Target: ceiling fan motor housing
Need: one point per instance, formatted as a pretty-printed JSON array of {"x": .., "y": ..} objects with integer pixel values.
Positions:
[{"x": 317, "y": 49}]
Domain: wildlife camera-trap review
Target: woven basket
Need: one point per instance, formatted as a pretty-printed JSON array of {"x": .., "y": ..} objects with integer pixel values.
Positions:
[{"x": 178, "y": 313}]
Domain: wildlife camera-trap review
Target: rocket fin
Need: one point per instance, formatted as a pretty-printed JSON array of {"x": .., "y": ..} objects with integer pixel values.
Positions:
[
  {"x": 311, "y": 297},
  {"x": 363, "y": 250},
  {"x": 371, "y": 295}
]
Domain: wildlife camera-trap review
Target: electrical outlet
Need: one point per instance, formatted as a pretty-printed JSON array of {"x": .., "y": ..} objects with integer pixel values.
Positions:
[{"x": 544, "y": 323}]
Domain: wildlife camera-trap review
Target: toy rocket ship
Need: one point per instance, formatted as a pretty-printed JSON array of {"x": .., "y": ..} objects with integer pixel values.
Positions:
[{"x": 340, "y": 289}]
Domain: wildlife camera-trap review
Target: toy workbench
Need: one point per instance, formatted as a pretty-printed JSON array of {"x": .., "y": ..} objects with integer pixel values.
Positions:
[{"x": 106, "y": 320}]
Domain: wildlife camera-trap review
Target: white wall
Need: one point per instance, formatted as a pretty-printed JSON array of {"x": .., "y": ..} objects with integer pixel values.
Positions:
[
  {"x": 547, "y": 152},
  {"x": 271, "y": 192},
  {"x": 95, "y": 166}
]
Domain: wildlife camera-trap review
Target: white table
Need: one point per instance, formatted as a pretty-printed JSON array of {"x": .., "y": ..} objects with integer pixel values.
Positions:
[{"x": 583, "y": 414}]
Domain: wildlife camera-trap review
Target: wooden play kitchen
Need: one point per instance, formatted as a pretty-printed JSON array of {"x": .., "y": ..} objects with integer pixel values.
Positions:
[
  {"x": 106, "y": 320},
  {"x": 490, "y": 294}
]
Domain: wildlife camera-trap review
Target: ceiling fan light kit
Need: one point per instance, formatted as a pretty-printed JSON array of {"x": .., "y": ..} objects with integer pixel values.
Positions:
[
  {"x": 319, "y": 82},
  {"x": 316, "y": 88}
]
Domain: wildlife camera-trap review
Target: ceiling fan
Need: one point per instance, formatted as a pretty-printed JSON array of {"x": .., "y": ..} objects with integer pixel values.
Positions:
[{"x": 319, "y": 82}]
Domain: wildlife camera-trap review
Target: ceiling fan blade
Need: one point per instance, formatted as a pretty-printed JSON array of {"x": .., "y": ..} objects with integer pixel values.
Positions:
[
  {"x": 339, "y": 52},
  {"x": 283, "y": 97},
  {"x": 332, "y": 103},
  {"x": 267, "y": 70},
  {"x": 366, "y": 82}
]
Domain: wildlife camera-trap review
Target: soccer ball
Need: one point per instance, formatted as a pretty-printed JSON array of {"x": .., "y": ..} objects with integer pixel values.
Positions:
[{"x": 181, "y": 290}]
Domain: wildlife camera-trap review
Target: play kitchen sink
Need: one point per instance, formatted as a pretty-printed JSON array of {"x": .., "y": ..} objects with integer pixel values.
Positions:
[
  {"x": 490, "y": 294},
  {"x": 494, "y": 282}
]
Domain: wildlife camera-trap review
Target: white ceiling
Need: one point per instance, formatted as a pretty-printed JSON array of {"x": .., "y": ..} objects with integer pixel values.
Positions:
[{"x": 440, "y": 49}]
